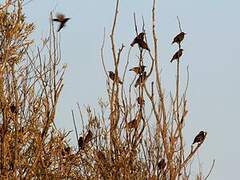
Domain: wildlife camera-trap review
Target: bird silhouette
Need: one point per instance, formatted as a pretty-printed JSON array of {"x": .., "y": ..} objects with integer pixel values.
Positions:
[
  {"x": 200, "y": 137},
  {"x": 161, "y": 164},
  {"x": 88, "y": 137},
  {"x": 113, "y": 77},
  {"x": 101, "y": 156},
  {"x": 140, "y": 100},
  {"x": 178, "y": 38},
  {"x": 62, "y": 20},
  {"x": 13, "y": 108},
  {"x": 80, "y": 142},
  {"x": 138, "y": 69},
  {"x": 132, "y": 124},
  {"x": 177, "y": 55},
  {"x": 140, "y": 41},
  {"x": 143, "y": 45},
  {"x": 141, "y": 79},
  {"x": 140, "y": 36}
]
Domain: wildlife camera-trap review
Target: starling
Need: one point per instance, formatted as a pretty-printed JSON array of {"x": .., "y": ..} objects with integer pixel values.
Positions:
[
  {"x": 113, "y": 77},
  {"x": 161, "y": 164},
  {"x": 140, "y": 100},
  {"x": 178, "y": 39},
  {"x": 140, "y": 41},
  {"x": 132, "y": 124},
  {"x": 13, "y": 109},
  {"x": 80, "y": 142},
  {"x": 200, "y": 137},
  {"x": 138, "y": 69},
  {"x": 142, "y": 78},
  {"x": 140, "y": 36},
  {"x": 101, "y": 156},
  {"x": 62, "y": 20},
  {"x": 66, "y": 151},
  {"x": 177, "y": 55},
  {"x": 143, "y": 45},
  {"x": 88, "y": 137}
]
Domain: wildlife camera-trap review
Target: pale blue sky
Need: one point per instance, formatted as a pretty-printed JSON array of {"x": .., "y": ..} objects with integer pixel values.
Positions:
[{"x": 211, "y": 51}]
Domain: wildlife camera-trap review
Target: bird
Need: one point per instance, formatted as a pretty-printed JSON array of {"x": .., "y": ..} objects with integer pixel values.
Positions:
[
  {"x": 178, "y": 38},
  {"x": 140, "y": 100},
  {"x": 138, "y": 69},
  {"x": 200, "y": 137},
  {"x": 177, "y": 55},
  {"x": 66, "y": 151},
  {"x": 101, "y": 156},
  {"x": 143, "y": 45},
  {"x": 161, "y": 164},
  {"x": 140, "y": 41},
  {"x": 140, "y": 36},
  {"x": 13, "y": 109},
  {"x": 113, "y": 77},
  {"x": 62, "y": 20},
  {"x": 80, "y": 142},
  {"x": 132, "y": 124},
  {"x": 88, "y": 137},
  {"x": 141, "y": 79}
]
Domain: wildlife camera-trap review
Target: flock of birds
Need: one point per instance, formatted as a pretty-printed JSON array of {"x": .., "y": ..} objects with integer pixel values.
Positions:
[
  {"x": 139, "y": 39},
  {"x": 139, "y": 70}
]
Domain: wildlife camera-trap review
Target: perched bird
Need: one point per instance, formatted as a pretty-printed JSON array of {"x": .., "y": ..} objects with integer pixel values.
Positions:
[
  {"x": 200, "y": 137},
  {"x": 88, "y": 137},
  {"x": 140, "y": 100},
  {"x": 101, "y": 156},
  {"x": 177, "y": 55},
  {"x": 141, "y": 79},
  {"x": 132, "y": 124},
  {"x": 161, "y": 164},
  {"x": 138, "y": 69},
  {"x": 66, "y": 151},
  {"x": 62, "y": 20},
  {"x": 178, "y": 38},
  {"x": 13, "y": 108},
  {"x": 143, "y": 45},
  {"x": 140, "y": 41},
  {"x": 140, "y": 36},
  {"x": 113, "y": 77},
  {"x": 80, "y": 142}
]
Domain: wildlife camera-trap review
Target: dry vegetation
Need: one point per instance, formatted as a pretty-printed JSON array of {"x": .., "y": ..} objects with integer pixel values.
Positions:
[{"x": 117, "y": 143}]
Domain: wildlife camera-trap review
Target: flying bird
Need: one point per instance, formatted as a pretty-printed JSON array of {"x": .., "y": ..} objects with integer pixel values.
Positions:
[
  {"x": 141, "y": 79},
  {"x": 62, "y": 20},
  {"x": 140, "y": 36},
  {"x": 200, "y": 137},
  {"x": 138, "y": 69},
  {"x": 178, "y": 38},
  {"x": 177, "y": 55},
  {"x": 113, "y": 77}
]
